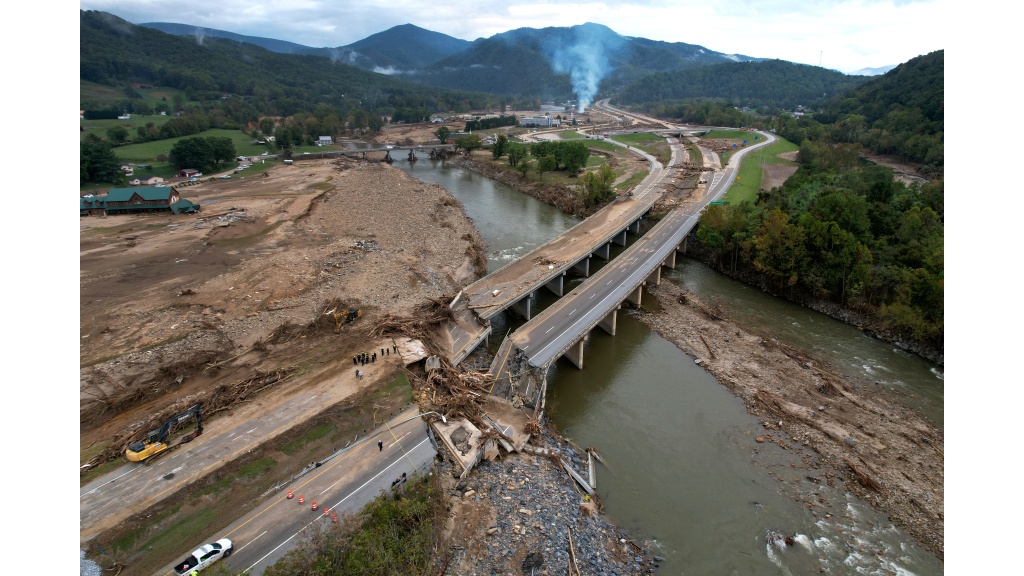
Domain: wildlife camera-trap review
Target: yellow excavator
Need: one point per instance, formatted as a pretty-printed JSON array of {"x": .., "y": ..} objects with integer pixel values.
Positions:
[
  {"x": 343, "y": 316},
  {"x": 156, "y": 441}
]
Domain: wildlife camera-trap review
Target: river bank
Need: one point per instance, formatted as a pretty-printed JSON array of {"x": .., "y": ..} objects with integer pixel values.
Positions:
[
  {"x": 870, "y": 324},
  {"x": 881, "y": 450}
]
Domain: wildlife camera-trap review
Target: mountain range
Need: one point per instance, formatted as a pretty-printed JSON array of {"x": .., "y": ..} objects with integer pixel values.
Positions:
[{"x": 418, "y": 66}]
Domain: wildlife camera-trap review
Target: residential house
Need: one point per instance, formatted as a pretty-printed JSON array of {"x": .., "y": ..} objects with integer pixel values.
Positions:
[
  {"x": 134, "y": 182},
  {"x": 324, "y": 141},
  {"x": 189, "y": 172},
  {"x": 152, "y": 180}
]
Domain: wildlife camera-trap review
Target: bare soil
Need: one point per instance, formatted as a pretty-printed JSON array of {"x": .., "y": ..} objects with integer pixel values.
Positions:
[{"x": 244, "y": 284}]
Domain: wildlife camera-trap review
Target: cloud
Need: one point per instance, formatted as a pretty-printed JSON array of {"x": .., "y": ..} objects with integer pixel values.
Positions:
[{"x": 842, "y": 34}]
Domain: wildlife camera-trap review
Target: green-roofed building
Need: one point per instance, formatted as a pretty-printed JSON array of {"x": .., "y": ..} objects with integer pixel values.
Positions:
[{"x": 137, "y": 200}]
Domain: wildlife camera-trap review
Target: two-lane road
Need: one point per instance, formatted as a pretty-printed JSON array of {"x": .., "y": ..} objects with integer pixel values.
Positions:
[{"x": 343, "y": 484}]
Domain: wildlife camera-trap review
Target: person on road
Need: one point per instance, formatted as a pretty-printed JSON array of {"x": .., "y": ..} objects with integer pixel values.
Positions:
[{"x": 380, "y": 445}]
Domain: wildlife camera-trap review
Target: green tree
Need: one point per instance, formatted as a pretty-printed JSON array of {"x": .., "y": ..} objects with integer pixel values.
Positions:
[
  {"x": 266, "y": 125},
  {"x": 546, "y": 164},
  {"x": 442, "y": 134},
  {"x": 192, "y": 153},
  {"x": 516, "y": 153},
  {"x": 98, "y": 163},
  {"x": 574, "y": 156},
  {"x": 779, "y": 249},
  {"x": 222, "y": 149},
  {"x": 598, "y": 186},
  {"x": 500, "y": 147},
  {"x": 117, "y": 134},
  {"x": 469, "y": 142}
]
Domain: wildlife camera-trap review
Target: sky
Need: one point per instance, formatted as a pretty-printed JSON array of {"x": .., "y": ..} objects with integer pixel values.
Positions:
[{"x": 838, "y": 34}]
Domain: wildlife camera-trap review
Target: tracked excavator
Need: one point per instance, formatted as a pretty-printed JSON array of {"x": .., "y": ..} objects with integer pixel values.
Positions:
[
  {"x": 156, "y": 441},
  {"x": 343, "y": 316}
]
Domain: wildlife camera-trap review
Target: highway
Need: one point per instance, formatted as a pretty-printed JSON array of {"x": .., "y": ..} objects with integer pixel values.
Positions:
[
  {"x": 343, "y": 484},
  {"x": 551, "y": 333}
]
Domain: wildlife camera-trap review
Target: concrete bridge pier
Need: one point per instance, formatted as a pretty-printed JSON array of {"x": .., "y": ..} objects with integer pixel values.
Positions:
[
  {"x": 604, "y": 252},
  {"x": 583, "y": 266},
  {"x": 575, "y": 352},
  {"x": 620, "y": 238},
  {"x": 653, "y": 278},
  {"x": 670, "y": 261},
  {"x": 522, "y": 307},
  {"x": 634, "y": 296},
  {"x": 634, "y": 227},
  {"x": 609, "y": 322},
  {"x": 557, "y": 285},
  {"x": 681, "y": 248}
]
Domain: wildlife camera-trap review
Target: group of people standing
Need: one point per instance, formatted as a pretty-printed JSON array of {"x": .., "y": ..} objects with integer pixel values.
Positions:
[{"x": 369, "y": 358}]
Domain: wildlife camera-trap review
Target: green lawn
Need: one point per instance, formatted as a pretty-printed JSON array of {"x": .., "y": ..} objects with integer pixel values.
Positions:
[
  {"x": 729, "y": 134},
  {"x": 147, "y": 151},
  {"x": 748, "y": 181},
  {"x": 100, "y": 127}
]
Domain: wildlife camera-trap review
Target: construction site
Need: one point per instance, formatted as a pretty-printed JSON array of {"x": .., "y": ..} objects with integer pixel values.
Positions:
[{"x": 270, "y": 295}]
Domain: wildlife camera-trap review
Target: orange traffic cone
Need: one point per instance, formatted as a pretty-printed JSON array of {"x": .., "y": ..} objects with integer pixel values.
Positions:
[
  {"x": 334, "y": 517},
  {"x": 301, "y": 499},
  {"x": 327, "y": 511},
  {"x": 314, "y": 504},
  {"x": 290, "y": 495}
]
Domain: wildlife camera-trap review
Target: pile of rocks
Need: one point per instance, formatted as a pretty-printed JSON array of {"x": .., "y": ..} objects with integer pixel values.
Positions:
[{"x": 518, "y": 515}]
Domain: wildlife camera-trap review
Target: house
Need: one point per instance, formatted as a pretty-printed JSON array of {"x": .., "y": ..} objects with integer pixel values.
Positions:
[
  {"x": 324, "y": 141},
  {"x": 437, "y": 120},
  {"x": 128, "y": 170},
  {"x": 134, "y": 182},
  {"x": 152, "y": 180},
  {"x": 189, "y": 172},
  {"x": 136, "y": 200},
  {"x": 125, "y": 116}
]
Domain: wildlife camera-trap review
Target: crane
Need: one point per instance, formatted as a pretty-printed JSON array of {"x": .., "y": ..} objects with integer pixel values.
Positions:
[{"x": 156, "y": 441}]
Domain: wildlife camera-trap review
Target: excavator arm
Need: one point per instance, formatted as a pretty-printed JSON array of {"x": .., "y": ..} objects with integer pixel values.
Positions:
[{"x": 156, "y": 440}]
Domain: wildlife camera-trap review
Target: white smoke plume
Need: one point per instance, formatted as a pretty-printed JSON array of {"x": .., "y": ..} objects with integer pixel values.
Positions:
[
  {"x": 199, "y": 35},
  {"x": 585, "y": 59}
]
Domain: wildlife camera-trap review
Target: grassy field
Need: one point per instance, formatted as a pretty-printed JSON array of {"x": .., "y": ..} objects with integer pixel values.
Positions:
[
  {"x": 748, "y": 181},
  {"x": 729, "y": 134},
  {"x": 651, "y": 143},
  {"x": 147, "y": 151}
]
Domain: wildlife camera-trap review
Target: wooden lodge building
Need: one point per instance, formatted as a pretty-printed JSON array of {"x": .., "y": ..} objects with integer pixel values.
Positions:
[{"x": 137, "y": 200}]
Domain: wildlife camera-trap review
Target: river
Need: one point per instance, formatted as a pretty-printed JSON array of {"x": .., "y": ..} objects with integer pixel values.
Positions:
[{"x": 683, "y": 473}]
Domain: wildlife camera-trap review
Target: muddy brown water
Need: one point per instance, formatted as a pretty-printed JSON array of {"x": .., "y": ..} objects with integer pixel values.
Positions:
[{"x": 683, "y": 472}]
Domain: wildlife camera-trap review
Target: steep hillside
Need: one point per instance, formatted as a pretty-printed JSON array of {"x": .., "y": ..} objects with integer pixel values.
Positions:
[
  {"x": 401, "y": 48},
  {"x": 570, "y": 61},
  {"x": 116, "y": 52},
  {"x": 772, "y": 83},
  {"x": 200, "y": 34}
]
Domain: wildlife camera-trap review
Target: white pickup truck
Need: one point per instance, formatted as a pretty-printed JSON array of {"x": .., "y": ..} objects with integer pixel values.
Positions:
[{"x": 203, "y": 557}]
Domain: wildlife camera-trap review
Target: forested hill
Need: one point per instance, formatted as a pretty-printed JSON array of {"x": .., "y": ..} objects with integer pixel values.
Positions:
[
  {"x": 770, "y": 83},
  {"x": 900, "y": 113},
  {"x": 400, "y": 48},
  {"x": 116, "y": 52}
]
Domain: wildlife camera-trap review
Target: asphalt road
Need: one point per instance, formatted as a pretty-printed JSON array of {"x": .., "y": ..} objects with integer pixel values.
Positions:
[
  {"x": 549, "y": 334},
  {"x": 343, "y": 484}
]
